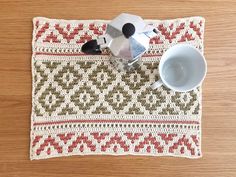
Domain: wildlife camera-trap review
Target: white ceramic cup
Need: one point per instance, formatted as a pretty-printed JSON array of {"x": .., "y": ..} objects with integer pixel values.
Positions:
[{"x": 182, "y": 68}]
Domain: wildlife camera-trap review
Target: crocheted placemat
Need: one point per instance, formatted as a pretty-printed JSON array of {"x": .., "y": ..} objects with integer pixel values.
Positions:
[{"x": 81, "y": 105}]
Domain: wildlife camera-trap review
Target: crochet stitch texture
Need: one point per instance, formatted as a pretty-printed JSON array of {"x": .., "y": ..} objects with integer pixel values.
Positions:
[{"x": 81, "y": 105}]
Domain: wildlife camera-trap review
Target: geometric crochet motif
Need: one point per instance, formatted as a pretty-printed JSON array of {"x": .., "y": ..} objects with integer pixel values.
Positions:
[{"x": 82, "y": 105}]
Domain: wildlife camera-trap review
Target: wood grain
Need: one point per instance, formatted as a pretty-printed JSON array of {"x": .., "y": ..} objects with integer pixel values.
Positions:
[{"x": 219, "y": 90}]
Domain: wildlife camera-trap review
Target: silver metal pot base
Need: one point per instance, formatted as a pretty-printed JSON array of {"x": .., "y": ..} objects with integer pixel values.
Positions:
[{"x": 125, "y": 65}]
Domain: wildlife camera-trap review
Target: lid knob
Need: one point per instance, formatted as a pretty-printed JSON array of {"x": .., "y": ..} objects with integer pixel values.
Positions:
[{"x": 128, "y": 30}]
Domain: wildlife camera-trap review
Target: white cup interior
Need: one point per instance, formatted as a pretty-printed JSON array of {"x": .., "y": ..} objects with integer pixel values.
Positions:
[{"x": 182, "y": 68}]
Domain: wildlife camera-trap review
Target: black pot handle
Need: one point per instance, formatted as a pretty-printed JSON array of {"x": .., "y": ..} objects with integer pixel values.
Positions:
[{"x": 91, "y": 47}]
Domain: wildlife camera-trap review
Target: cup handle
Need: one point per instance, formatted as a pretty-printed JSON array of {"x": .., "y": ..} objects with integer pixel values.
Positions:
[{"x": 157, "y": 84}]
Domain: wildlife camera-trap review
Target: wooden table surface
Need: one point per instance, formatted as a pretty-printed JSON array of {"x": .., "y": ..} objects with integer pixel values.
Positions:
[{"x": 219, "y": 90}]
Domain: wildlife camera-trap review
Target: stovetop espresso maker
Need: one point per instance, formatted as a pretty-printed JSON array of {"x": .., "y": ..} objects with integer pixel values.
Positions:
[{"x": 127, "y": 37}]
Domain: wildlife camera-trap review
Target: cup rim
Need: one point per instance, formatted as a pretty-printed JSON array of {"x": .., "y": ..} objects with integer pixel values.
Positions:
[{"x": 161, "y": 63}]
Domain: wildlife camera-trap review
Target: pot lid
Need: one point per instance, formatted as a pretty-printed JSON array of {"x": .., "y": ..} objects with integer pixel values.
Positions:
[{"x": 128, "y": 36}]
